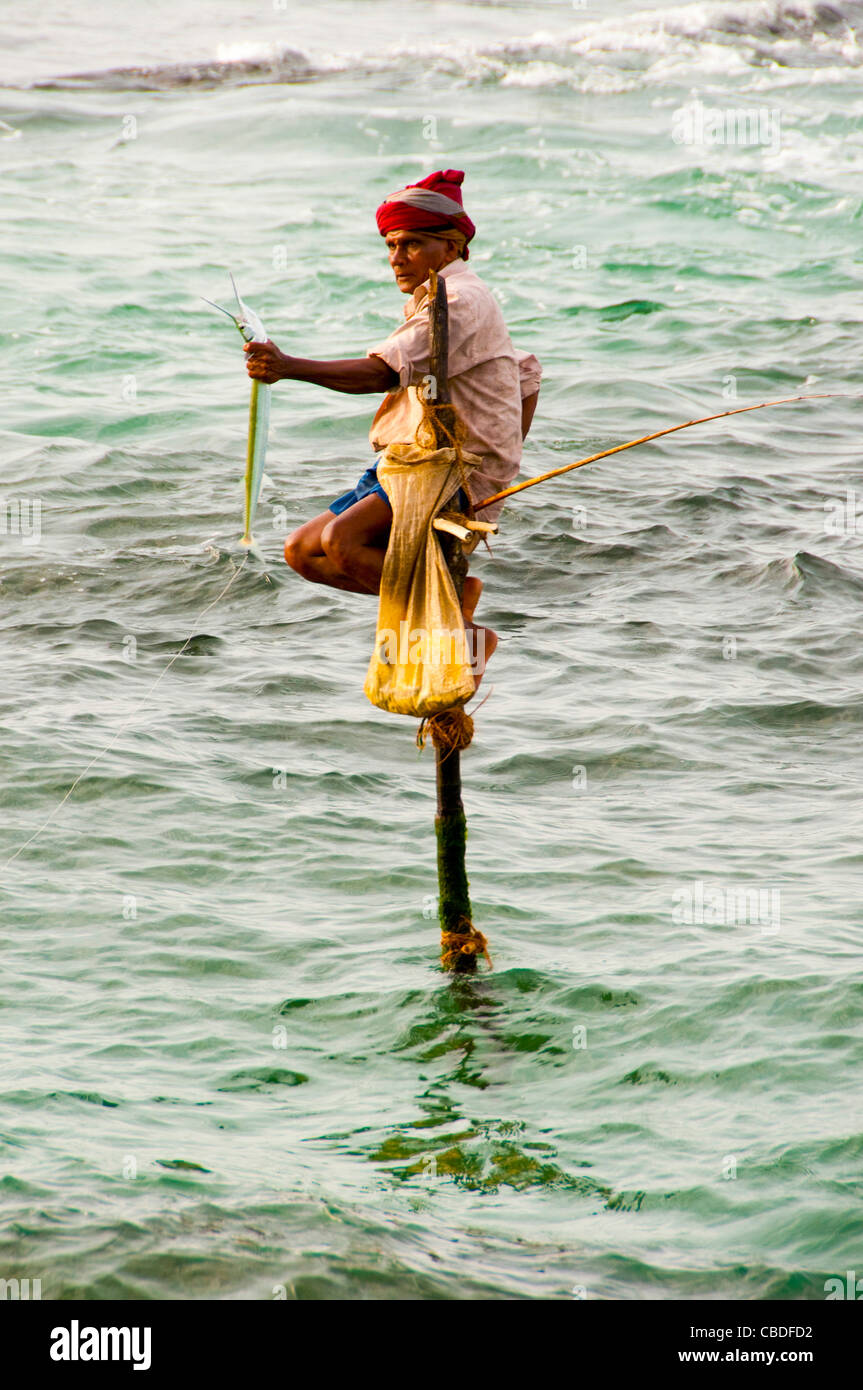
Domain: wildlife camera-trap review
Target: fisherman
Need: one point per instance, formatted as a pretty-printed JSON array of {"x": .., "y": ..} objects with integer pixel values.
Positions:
[{"x": 493, "y": 386}]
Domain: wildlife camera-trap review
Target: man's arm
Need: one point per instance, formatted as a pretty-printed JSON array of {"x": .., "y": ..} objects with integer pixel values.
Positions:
[
  {"x": 356, "y": 375},
  {"x": 529, "y": 375},
  {"x": 528, "y": 407}
]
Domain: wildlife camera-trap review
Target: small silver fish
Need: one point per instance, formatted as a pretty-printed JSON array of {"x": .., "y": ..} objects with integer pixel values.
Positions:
[{"x": 252, "y": 331}]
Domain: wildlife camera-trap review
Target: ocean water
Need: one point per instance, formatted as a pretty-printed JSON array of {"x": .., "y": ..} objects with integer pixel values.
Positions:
[{"x": 232, "y": 1067}]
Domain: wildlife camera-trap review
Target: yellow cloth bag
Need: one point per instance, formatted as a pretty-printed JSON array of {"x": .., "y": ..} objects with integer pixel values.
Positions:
[{"x": 421, "y": 663}]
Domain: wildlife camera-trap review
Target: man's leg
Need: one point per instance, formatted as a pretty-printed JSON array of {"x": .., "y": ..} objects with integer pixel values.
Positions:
[
  {"x": 355, "y": 542},
  {"x": 345, "y": 551}
]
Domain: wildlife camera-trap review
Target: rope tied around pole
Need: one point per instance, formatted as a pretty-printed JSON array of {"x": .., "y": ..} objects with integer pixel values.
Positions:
[
  {"x": 442, "y": 427},
  {"x": 440, "y": 416},
  {"x": 451, "y": 730},
  {"x": 466, "y": 942}
]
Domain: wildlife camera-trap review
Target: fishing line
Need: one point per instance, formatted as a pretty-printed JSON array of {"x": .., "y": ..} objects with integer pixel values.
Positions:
[{"x": 132, "y": 716}]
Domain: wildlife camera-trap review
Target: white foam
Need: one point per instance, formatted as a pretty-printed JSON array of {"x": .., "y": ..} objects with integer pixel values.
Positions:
[
  {"x": 713, "y": 38},
  {"x": 537, "y": 74},
  {"x": 647, "y": 47},
  {"x": 247, "y": 52}
]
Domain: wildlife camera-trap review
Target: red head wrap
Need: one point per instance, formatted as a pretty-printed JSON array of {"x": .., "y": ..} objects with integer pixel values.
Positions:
[{"x": 433, "y": 205}]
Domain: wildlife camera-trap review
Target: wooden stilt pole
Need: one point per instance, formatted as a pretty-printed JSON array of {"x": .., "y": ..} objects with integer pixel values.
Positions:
[{"x": 450, "y": 824}]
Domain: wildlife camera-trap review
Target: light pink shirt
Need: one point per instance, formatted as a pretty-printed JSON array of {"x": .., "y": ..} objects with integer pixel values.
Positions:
[{"x": 488, "y": 378}]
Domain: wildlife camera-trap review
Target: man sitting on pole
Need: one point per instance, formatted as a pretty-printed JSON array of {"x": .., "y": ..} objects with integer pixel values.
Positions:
[{"x": 493, "y": 386}]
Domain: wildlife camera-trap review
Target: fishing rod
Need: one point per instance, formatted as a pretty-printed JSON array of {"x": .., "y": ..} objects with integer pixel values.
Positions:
[{"x": 646, "y": 438}]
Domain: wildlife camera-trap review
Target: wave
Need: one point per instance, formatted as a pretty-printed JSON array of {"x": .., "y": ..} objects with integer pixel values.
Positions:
[
  {"x": 804, "y": 572},
  {"x": 768, "y": 21},
  {"x": 595, "y": 56},
  {"x": 282, "y": 65},
  {"x": 792, "y": 716}
]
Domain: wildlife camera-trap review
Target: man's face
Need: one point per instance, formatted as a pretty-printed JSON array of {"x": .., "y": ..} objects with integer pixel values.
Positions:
[{"x": 413, "y": 255}]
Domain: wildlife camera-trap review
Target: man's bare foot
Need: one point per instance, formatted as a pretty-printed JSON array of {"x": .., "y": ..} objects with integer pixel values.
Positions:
[
  {"x": 470, "y": 597},
  {"x": 481, "y": 643}
]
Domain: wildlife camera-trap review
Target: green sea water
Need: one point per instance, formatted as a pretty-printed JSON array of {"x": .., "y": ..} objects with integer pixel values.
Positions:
[{"x": 232, "y": 1067}]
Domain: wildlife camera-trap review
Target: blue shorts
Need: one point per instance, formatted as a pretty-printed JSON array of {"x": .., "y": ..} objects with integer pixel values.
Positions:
[{"x": 368, "y": 484}]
